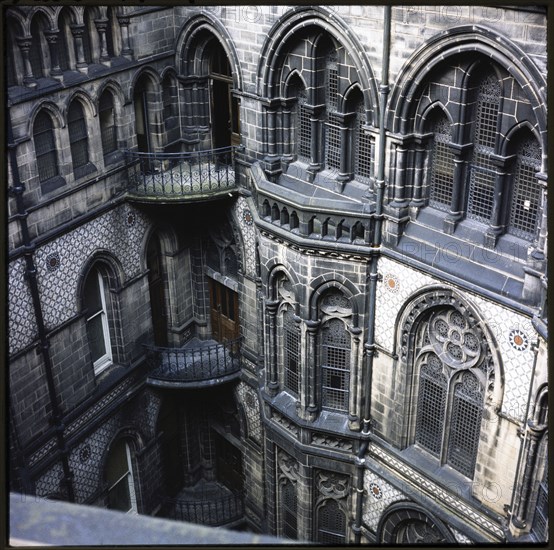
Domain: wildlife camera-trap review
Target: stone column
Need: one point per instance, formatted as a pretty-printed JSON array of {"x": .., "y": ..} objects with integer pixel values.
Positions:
[
  {"x": 457, "y": 204},
  {"x": 126, "y": 50},
  {"x": 77, "y": 31},
  {"x": 101, "y": 27},
  {"x": 399, "y": 199},
  {"x": 418, "y": 200},
  {"x": 271, "y": 307},
  {"x": 539, "y": 248},
  {"x": 311, "y": 365},
  {"x": 52, "y": 39},
  {"x": 25, "y": 47},
  {"x": 356, "y": 384}
]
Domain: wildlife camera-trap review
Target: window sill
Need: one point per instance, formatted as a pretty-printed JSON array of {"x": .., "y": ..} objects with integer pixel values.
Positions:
[
  {"x": 50, "y": 185},
  {"x": 83, "y": 171}
]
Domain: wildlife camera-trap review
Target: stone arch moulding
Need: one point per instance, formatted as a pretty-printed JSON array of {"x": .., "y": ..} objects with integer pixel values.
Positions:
[
  {"x": 148, "y": 72},
  {"x": 115, "y": 89},
  {"x": 106, "y": 258},
  {"x": 338, "y": 281},
  {"x": 187, "y": 43},
  {"x": 52, "y": 109},
  {"x": 274, "y": 270},
  {"x": 401, "y": 513},
  {"x": 168, "y": 242},
  {"x": 51, "y": 15},
  {"x": 84, "y": 98},
  {"x": 433, "y": 297},
  {"x": 473, "y": 39},
  {"x": 288, "y": 26}
]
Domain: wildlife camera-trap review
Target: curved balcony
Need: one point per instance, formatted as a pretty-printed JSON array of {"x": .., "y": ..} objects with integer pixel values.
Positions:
[
  {"x": 181, "y": 177},
  {"x": 221, "y": 507},
  {"x": 199, "y": 364}
]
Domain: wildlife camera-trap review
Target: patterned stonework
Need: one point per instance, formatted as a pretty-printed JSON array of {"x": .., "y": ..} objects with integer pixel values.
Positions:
[
  {"x": 380, "y": 496},
  {"x": 247, "y": 396},
  {"x": 58, "y": 287},
  {"x": 244, "y": 216},
  {"x": 513, "y": 332}
]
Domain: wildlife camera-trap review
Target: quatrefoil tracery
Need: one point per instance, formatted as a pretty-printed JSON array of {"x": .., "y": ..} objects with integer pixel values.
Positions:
[{"x": 453, "y": 340}]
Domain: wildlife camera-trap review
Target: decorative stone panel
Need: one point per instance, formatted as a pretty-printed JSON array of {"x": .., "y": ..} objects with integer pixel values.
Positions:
[
  {"x": 119, "y": 232},
  {"x": 22, "y": 328},
  {"x": 251, "y": 404},
  {"x": 380, "y": 495},
  {"x": 513, "y": 332},
  {"x": 245, "y": 220}
]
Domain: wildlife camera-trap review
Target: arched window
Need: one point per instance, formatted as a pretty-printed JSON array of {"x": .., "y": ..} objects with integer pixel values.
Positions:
[
  {"x": 97, "y": 321},
  {"x": 302, "y": 126},
  {"x": 291, "y": 351},
  {"x": 363, "y": 145},
  {"x": 38, "y": 44},
  {"x": 108, "y": 128},
  {"x": 289, "y": 509},
  {"x": 78, "y": 136},
  {"x": 526, "y": 194},
  {"x": 89, "y": 27},
  {"x": 452, "y": 373},
  {"x": 65, "y": 42},
  {"x": 441, "y": 166},
  {"x": 482, "y": 173},
  {"x": 331, "y": 523},
  {"x": 45, "y": 147},
  {"x": 119, "y": 475},
  {"x": 335, "y": 365}
]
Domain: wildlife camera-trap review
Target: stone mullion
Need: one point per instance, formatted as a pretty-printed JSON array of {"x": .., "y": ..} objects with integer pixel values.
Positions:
[
  {"x": 418, "y": 200},
  {"x": 126, "y": 50},
  {"x": 287, "y": 143},
  {"x": 77, "y": 32},
  {"x": 456, "y": 205},
  {"x": 271, "y": 307},
  {"x": 496, "y": 224},
  {"x": 312, "y": 328},
  {"x": 355, "y": 394},
  {"x": 399, "y": 199},
  {"x": 25, "y": 47},
  {"x": 52, "y": 39},
  {"x": 305, "y": 503},
  {"x": 539, "y": 249}
]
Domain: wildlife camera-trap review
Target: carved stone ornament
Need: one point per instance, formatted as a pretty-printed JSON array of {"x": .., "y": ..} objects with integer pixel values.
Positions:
[
  {"x": 287, "y": 466},
  {"x": 333, "y": 485}
]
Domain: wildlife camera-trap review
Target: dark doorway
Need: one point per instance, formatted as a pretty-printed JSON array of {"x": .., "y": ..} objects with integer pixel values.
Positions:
[
  {"x": 157, "y": 291},
  {"x": 228, "y": 463}
]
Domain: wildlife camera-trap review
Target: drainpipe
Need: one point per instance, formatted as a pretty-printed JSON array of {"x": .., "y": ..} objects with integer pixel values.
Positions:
[
  {"x": 17, "y": 191},
  {"x": 373, "y": 274}
]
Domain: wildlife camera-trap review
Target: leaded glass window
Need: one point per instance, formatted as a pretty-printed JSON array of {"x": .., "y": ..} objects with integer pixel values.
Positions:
[
  {"x": 304, "y": 128},
  {"x": 335, "y": 366},
  {"x": 363, "y": 147},
  {"x": 45, "y": 147},
  {"x": 289, "y": 509},
  {"x": 442, "y": 165},
  {"x": 332, "y": 143},
  {"x": 453, "y": 374},
  {"x": 526, "y": 191},
  {"x": 106, "y": 113},
  {"x": 540, "y": 520},
  {"x": 291, "y": 352},
  {"x": 78, "y": 136},
  {"x": 331, "y": 523},
  {"x": 482, "y": 171}
]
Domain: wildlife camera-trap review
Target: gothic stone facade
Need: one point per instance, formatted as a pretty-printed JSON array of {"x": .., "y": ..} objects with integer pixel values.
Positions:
[{"x": 366, "y": 266}]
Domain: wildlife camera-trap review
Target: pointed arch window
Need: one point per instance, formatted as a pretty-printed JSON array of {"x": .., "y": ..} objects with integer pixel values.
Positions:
[
  {"x": 526, "y": 194},
  {"x": 442, "y": 164},
  {"x": 453, "y": 375},
  {"x": 78, "y": 135},
  {"x": 482, "y": 173},
  {"x": 291, "y": 351},
  {"x": 335, "y": 365},
  {"x": 36, "y": 57},
  {"x": 108, "y": 128},
  {"x": 289, "y": 509},
  {"x": 303, "y": 134},
  {"x": 45, "y": 147},
  {"x": 331, "y": 523},
  {"x": 363, "y": 146}
]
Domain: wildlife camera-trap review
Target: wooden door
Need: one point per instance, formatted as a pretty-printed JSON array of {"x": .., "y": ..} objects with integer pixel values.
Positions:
[{"x": 224, "y": 310}]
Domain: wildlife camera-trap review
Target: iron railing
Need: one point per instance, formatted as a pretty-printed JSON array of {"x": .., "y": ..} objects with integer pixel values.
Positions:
[
  {"x": 174, "y": 176},
  {"x": 213, "y": 512},
  {"x": 206, "y": 362}
]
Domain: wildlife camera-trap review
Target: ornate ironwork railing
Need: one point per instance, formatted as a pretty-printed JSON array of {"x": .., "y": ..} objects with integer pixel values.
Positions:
[
  {"x": 204, "y": 363},
  {"x": 214, "y": 511},
  {"x": 174, "y": 176}
]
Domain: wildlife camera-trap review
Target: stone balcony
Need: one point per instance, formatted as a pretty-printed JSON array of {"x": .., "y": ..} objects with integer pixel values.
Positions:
[
  {"x": 181, "y": 177},
  {"x": 200, "y": 363}
]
